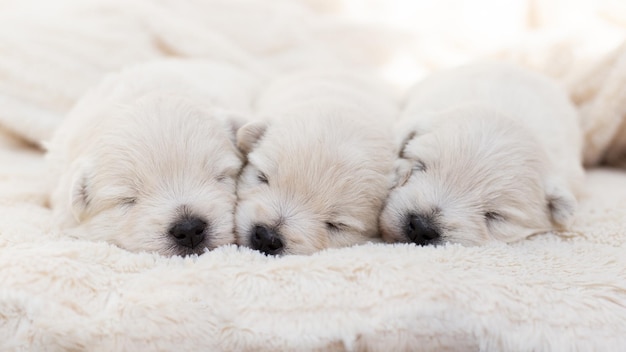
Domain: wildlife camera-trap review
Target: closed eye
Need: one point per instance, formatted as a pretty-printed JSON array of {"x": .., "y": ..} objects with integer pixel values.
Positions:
[
  {"x": 335, "y": 226},
  {"x": 224, "y": 177},
  {"x": 419, "y": 166},
  {"x": 262, "y": 178},
  {"x": 493, "y": 216},
  {"x": 128, "y": 201}
]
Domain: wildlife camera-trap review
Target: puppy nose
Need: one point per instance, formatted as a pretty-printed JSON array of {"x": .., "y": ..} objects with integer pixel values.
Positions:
[
  {"x": 266, "y": 240},
  {"x": 188, "y": 231},
  {"x": 421, "y": 230}
]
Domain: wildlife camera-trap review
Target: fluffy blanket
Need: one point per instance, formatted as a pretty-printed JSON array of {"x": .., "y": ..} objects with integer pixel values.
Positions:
[{"x": 557, "y": 291}]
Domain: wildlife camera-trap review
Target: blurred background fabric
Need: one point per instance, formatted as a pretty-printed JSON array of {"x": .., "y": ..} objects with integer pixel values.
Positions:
[{"x": 52, "y": 51}]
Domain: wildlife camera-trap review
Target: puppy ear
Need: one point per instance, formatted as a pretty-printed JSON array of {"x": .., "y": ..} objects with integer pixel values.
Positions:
[
  {"x": 403, "y": 140},
  {"x": 561, "y": 202},
  {"x": 233, "y": 122},
  {"x": 249, "y": 134},
  {"x": 402, "y": 172},
  {"x": 79, "y": 190},
  {"x": 404, "y": 133}
]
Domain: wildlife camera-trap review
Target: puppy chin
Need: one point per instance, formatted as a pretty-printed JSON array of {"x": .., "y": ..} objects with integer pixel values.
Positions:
[
  {"x": 390, "y": 236},
  {"x": 280, "y": 240},
  {"x": 174, "y": 250}
]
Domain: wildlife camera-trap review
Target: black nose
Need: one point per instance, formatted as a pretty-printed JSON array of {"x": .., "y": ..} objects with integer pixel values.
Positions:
[
  {"x": 188, "y": 231},
  {"x": 421, "y": 230},
  {"x": 266, "y": 240}
]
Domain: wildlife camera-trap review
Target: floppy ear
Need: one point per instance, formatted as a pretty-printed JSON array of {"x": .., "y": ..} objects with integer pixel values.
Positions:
[
  {"x": 403, "y": 140},
  {"x": 401, "y": 173},
  {"x": 404, "y": 132},
  {"x": 79, "y": 189},
  {"x": 561, "y": 202},
  {"x": 232, "y": 121},
  {"x": 249, "y": 134}
]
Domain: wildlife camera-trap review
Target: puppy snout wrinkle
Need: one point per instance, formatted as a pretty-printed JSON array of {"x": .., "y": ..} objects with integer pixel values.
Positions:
[
  {"x": 421, "y": 230},
  {"x": 266, "y": 240},
  {"x": 188, "y": 231}
]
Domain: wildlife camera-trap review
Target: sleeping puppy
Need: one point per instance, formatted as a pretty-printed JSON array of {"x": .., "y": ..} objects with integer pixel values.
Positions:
[
  {"x": 147, "y": 159},
  {"x": 487, "y": 152},
  {"x": 318, "y": 167}
]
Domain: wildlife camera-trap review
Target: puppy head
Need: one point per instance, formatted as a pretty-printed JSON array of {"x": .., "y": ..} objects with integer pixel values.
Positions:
[
  {"x": 159, "y": 176},
  {"x": 311, "y": 183},
  {"x": 473, "y": 176}
]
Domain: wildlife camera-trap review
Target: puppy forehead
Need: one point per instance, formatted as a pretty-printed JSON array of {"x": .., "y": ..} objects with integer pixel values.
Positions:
[
  {"x": 486, "y": 165},
  {"x": 478, "y": 140},
  {"x": 324, "y": 177},
  {"x": 175, "y": 116},
  {"x": 329, "y": 137},
  {"x": 165, "y": 137},
  {"x": 321, "y": 165}
]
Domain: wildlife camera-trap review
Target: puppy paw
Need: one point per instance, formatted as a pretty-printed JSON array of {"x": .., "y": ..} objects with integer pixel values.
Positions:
[{"x": 562, "y": 203}]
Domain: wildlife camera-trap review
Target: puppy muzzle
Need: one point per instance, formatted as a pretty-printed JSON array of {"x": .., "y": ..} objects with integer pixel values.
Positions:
[
  {"x": 188, "y": 232},
  {"x": 266, "y": 240},
  {"x": 421, "y": 230}
]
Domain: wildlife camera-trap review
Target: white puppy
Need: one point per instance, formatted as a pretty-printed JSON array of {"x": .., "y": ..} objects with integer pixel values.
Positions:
[
  {"x": 487, "y": 152},
  {"x": 147, "y": 160},
  {"x": 319, "y": 167}
]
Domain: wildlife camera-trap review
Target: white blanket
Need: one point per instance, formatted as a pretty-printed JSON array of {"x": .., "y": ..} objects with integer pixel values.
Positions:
[{"x": 562, "y": 291}]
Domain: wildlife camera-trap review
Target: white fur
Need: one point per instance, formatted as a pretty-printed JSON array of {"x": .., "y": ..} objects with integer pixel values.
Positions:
[
  {"x": 326, "y": 151},
  {"x": 147, "y": 146},
  {"x": 488, "y": 152}
]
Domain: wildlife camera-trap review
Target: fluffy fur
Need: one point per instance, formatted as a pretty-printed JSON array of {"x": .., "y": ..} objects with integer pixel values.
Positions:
[
  {"x": 147, "y": 159},
  {"x": 318, "y": 167},
  {"x": 488, "y": 152},
  {"x": 599, "y": 92}
]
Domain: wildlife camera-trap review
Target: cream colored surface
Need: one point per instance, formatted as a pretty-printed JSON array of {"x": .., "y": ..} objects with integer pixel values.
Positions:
[{"x": 551, "y": 292}]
